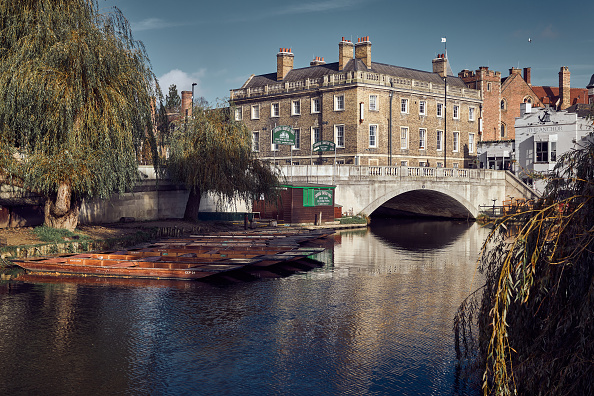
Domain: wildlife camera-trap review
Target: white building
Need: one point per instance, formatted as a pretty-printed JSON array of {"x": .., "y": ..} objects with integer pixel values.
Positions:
[{"x": 543, "y": 135}]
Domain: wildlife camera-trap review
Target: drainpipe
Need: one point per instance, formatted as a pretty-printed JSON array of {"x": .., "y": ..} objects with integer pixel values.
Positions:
[{"x": 390, "y": 131}]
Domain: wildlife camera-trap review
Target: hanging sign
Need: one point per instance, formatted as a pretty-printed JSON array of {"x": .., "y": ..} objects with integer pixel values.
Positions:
[
  {"x": 324, "y": 145},
  {"x": 283, "y": 134},
  {"x": 323, "y": 197}
]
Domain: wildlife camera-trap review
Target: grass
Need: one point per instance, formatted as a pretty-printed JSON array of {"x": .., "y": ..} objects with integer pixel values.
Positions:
[
  {"x": 353, "y": 220},
  {"x": 55, "y": 235}
]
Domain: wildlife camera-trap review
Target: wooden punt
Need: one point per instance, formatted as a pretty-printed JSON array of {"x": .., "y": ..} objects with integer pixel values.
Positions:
[{"x": 189, "y": 258}]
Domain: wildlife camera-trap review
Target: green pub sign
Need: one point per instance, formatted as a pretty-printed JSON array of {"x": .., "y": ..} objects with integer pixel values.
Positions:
[
  {"x": 283, "y": 134},
  {"x": 323, "y": 197},
  {"x": 324, "y": 145}
]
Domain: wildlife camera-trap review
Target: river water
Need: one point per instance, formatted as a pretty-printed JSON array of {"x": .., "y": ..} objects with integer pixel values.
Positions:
[{"x": 376, "y": 319}]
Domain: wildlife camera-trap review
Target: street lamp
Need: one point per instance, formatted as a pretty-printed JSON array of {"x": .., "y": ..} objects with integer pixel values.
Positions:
[{"x": 193, "y": 85}]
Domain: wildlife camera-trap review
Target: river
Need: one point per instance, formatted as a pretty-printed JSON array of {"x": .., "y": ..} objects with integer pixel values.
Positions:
[{"x": 375, "y": 319}]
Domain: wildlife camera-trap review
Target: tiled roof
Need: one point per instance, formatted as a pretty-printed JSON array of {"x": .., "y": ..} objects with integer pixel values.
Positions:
[
  {"x": 550, "y": 95},
  {"x": 353, "y": 65}
]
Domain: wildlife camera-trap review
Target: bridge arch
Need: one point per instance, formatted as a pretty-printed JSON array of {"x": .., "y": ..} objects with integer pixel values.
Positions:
[{"x": 450, "y": 203}]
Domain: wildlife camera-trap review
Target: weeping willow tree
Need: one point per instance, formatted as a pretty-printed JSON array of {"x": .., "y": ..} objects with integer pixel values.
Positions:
[
  {"x": 75, "y": 102},
  {"x": 209, "y": 152},
  {"x": 535, "y": 315}
]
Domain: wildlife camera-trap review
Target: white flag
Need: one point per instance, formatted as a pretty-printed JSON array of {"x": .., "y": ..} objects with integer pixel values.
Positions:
[{"x": 443, "y": 39}]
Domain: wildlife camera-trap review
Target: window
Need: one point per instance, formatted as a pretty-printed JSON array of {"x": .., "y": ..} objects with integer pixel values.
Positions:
[
  {"x": 527, "y": 99},
  {"x": 403, "y": 138},
  {"x": 455, "y": 165},
  {"x": 255, "y": 112},
  {"x": 502, "y": 130},
  {"x": 403, "y": 163},
  {"x": 471, "y": 142},
  {"x": 273, "y": 146},
  {"x": 422, "y": 137},
  {"x": 440, "y": 109},
  {"x": 339, "y": 103},
  {"x": 372, "y": 135},
  {"x": 297, "y": 144},
  {"x": 238, "y": 115},
  {"x": 471, "y": 114},
  {"x": 553, "y": 147},
  {"x": 274, "y": 110},
  {"x": 422, "y": 107},
  {"x": 439, "y": 140},
  {"x": 542, "y": 152},
  {"x": 456, "y": 112},
  {"x": 456, "y": 142},
  {"x": 256, "y": 141},
  {"x": 404, "y": 106},
  {"x": 439, "y": 164},
  {"x": 317, "y": 134},
  {"x": 373, "y": 102},
  {"x": 503, "y": 106},
  {"x": 339, "y": 135},
  {"x": 315, "y": 105},
  {"x": 296, "y": 107},
  {"x": 488, "y": 87}
]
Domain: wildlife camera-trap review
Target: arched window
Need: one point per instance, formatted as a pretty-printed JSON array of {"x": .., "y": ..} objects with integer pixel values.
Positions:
[
  {"x": 503, "y": 130},
  {"x": 528, "y": 99},
  {"x": 503, "y": 104}
]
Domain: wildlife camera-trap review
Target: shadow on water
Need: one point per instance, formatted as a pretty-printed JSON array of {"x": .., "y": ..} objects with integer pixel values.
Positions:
[{"x": 418, "y": 234}]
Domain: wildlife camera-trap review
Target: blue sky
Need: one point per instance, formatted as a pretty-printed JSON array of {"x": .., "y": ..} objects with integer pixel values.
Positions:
[{"x": 219, "y": 44}]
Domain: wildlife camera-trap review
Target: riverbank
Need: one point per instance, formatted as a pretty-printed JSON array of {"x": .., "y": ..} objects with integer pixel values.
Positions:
[{"x": 24, "y": 242}]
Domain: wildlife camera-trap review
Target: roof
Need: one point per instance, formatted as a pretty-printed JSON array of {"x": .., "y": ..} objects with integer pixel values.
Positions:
[
  {"x": 591, "y": 84},
  {"x": 550, "y": 95},
  {"x": 320, "y": 71}
]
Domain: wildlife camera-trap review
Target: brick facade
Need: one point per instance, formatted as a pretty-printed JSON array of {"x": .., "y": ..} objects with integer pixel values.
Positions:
[{"x": 367, "y": 89}]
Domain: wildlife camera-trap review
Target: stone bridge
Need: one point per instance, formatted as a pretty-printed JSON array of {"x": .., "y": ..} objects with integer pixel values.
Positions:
[{"x": 383, "y": 190}]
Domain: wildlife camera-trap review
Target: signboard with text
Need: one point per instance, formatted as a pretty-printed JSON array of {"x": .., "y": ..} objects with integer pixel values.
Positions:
[
  {"x": 324, "y": 145},
  {"x": 323, "y": 197},
  {"x": 283, "y": 134}
]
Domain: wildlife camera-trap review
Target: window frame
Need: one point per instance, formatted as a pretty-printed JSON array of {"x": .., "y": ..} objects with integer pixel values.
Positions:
[
  {"x": 238, "y": 113},
  {"x": 471, "y": 112},
  {"x": 339, "y": 100},
  {"x": 313, "y": 134},
  {"x": 374, "y": 145},
  {"x": 439, "y": 140},
  {"x": 255, "y": 112},
  {"x": 456, "y": 112},
  {"x": 471, "y": 143},
  {"x": 405, "y": 130},
  {"x": 316, "y": 102},
  {"x": 455, "y": 141},
  {"x": 422, "y": 107},
  {"x": 256, "y": 142},
  {"x": 422, "y": 138},
  {"x": 296, "y": 107},
  {"x": 272, "y": 109},
  {"x": 404, "y": 106},
  {"x": 439, "y": 110},
  {"x": 375, "y": 102},
  {"x": 338, "y": 127},
  {"x": 297, "y": 145}
]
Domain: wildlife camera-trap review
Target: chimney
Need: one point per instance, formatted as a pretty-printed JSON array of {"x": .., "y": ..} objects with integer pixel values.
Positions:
[
  {"x": 345, "y": 53},
  {"x": 564, "y": 88},
  {"x": 317, "y": 61},
  {"x": 527, "y": 75},
  {"x": 284, "y": 63},
  {"x": 440, "y": 65},
  {"x": 513, "y": 70},
  {"x": 186, "y": 104},
  {"x": 363, "y": 50},
  {"x": 525, "y": 108}
]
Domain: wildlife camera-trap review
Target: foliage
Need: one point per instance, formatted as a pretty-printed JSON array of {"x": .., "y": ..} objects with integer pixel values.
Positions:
[
  {"x": 75, "y": 98},
  {"x": 536, "y": 311},
  {"x": 55, "y": 235},
  {"x": 210, "y": 152},
  {"x": 353, "y": 220},
  {"x": 172, "y": 99}
]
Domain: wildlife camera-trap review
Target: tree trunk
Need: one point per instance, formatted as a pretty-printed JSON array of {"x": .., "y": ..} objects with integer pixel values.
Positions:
[
  {"x": 62, "y": 211},
  {"x": 193, "y": 205}
]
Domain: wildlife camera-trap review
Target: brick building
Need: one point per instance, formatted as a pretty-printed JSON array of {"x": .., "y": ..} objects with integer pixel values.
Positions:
[
  {"x": 377, "y": 114},
  {"x": 502, "y": 98}
]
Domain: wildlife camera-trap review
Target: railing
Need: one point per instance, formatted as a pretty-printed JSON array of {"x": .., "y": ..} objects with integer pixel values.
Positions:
[
  {"x": 358, "y": 172},
  {"x": 354, "y": 77}
]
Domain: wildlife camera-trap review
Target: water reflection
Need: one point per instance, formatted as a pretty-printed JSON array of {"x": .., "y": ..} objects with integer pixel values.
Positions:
[{"x": 376, "y": 319}]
